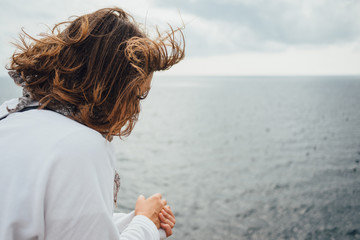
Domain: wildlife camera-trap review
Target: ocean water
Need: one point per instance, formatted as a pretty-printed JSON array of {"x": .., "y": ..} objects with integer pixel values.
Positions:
[{"x": 247, "y": 157}]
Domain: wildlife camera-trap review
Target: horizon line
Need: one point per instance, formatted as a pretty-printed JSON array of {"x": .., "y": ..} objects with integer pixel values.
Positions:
[
  {"x": 159, "y": 74},
  {"x": 260, "y": 75}
]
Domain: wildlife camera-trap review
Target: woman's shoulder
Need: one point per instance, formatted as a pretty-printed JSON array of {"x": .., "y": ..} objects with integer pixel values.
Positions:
[
  {"x": 70, "y": 138},
  {"x": 56, "y": 135}
]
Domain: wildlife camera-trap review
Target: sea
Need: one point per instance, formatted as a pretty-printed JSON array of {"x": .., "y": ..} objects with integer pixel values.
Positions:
[{"x": 246, "y": 157}]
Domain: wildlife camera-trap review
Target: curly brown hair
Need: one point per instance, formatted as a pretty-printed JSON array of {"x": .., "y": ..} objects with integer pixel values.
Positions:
[{"x": 97, "y": 66}]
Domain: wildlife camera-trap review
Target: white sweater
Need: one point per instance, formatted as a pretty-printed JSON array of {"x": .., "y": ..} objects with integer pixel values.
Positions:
[{"x": 56, "y": 182}]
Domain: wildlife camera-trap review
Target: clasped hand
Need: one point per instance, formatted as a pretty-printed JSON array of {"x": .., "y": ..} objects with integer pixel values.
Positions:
[{"x": 157, "y": 210}]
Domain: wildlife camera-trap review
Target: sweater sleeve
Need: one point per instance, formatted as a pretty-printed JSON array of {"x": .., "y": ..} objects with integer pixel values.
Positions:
[
  {"x": 122, "y": 220},
  {"x": 79, "y": 199}
]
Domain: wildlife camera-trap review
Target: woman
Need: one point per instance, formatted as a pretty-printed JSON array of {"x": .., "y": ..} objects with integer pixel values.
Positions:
[{"x": 82, "y": 85}]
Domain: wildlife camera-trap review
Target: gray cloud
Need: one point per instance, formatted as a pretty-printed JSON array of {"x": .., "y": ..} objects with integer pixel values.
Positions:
[
  {"x": 259, "y": 25},
  {"x": 219, "y": 27}
]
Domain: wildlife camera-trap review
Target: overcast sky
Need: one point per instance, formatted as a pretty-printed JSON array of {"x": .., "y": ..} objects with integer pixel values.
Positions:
[{"x": 224, "y": 37}]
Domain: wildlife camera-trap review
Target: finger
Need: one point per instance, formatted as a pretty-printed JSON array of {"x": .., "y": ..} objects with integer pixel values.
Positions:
[
  {"x": 163, "y": 201},
  {"x": 157, "y": 195},
  {"x": 163, "y": 219},
  {"x": 167, "y": 229},
  {"x": 168, "y": 216},
  {"x": 141, "y": 198},
  {"x": 169, "y": 211}
]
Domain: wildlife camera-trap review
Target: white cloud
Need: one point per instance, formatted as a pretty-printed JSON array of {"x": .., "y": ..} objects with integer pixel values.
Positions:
[
  {"x": 231, "y": 37},
  {"x": 284, "y": 21},
  {"x": 327, "y": 60}
]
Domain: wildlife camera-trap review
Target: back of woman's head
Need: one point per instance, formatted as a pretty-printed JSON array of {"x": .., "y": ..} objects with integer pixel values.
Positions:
[{"x": 96, "y": 68}]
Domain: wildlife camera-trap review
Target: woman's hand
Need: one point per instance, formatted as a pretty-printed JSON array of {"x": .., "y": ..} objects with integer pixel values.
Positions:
[
  {"x": 150, "y": 207},
  {"x": 167, "y": 220}
]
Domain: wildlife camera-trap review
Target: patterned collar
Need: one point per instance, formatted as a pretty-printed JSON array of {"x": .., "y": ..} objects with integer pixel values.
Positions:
[{"x": 27, "y": 100}]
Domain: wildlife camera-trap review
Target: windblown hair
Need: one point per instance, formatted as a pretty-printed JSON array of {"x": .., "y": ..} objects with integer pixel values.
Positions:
[{"x": 97, "y": 66}]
